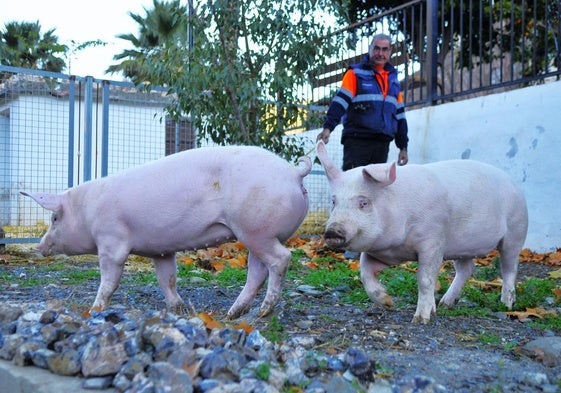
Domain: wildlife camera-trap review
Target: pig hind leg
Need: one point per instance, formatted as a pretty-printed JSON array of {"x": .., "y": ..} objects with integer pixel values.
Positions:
[
  {"x": 166, "y": 271},
  {"x": 464, "y": 268},
  {"x": 266, "y": 259},
  {"x": 509, "y": 270}
]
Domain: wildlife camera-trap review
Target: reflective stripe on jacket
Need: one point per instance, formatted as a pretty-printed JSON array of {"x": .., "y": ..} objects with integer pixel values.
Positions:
[
  {"x": 370, "y": 112},
  {"x": 365, "y": 111}
]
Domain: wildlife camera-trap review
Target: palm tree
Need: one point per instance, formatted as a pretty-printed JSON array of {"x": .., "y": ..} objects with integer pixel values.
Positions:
[
  {"x": 23, "y": 45},
  {"x": 164, "y": 25}
]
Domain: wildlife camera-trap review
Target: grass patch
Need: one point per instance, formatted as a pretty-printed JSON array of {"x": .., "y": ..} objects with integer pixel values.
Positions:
[
  {"x": 401, "y": 284},
  {"x": 274, "y": 332},
  {"x": 533, "y": 293}
]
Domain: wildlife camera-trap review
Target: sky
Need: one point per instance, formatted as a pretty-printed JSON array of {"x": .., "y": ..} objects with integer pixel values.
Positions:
[{"x": 81, "y": 21}]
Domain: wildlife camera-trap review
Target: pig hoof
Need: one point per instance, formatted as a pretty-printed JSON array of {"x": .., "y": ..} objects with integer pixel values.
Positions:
[
  {"x": 234, "y": 313},
  {"x": 178, "y": 309},
  {"x": 388, "y": 302},
  {"x": 418, "y": 318},
  {"x": 265, "y": 310}
]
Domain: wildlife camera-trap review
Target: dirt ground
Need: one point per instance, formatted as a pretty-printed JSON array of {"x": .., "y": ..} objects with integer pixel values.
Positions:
[{"x": 452, "y": 350}]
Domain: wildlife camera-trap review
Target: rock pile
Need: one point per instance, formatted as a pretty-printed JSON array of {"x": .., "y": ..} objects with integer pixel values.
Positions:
[{"x": 135, "y": 351}]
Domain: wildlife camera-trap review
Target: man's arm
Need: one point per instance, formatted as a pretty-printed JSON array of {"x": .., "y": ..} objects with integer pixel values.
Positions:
[{"x": 339, "y": 105}]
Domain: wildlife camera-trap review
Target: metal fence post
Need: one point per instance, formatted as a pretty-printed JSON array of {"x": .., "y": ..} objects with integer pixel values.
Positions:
[
  {"x": 105, "y": 130},
  {"x": 432, "y": 41},
  {"x": 88, "y": 117},
  {"x": 71, "y": 127}
]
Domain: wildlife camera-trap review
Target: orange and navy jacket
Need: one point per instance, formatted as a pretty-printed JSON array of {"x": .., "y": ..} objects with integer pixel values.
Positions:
[{"x": 370, "y": 104}]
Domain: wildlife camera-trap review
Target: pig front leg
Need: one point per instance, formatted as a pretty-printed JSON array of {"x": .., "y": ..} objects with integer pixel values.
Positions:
[
  {"x": 427, "y": 275},
  {"x": 111, "y": 266},
  {"x": 166, "y": 271},
  {"x": 463, "y": 268},
  {"x": 369, "y": 270}
]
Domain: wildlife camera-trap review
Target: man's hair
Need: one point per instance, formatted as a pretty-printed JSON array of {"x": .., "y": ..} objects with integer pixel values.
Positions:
[{"x": 379, "y": 37}]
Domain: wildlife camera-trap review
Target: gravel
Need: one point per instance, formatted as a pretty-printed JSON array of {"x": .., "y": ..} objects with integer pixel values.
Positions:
[{"x": 329, "y": 345}]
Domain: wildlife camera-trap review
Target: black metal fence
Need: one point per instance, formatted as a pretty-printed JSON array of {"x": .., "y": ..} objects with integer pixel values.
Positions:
[{"x": 451, "y": 50}]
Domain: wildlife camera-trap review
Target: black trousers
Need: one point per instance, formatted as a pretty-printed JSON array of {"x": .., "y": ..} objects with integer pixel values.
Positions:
[{"x": 360, "y": 152}]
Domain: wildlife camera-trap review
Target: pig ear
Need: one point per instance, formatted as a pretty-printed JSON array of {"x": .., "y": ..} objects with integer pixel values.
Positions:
[
  {"x": 382, "y": 174},
  {"x": 48, "y": 201},
  {"x": 330, "y": 169}
]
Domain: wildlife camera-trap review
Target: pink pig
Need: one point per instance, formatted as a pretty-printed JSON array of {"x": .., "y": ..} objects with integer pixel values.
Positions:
[
  {"x": 185, "y": 201},
  {"x": 456, "y": 209}
]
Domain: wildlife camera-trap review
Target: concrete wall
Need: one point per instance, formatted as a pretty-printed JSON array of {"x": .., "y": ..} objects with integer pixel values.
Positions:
[{"x": 518, "y": 131}]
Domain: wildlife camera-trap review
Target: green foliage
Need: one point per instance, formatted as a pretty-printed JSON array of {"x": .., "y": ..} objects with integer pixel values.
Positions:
[
  {"x": 548, "y": 322},
  {"x": 525, "y": 29},
  {"x": 161, "y": 27},
  {"x": 489, "y": 272},
  {"x": 231, "y": 277},
  {"x": 483, "y": 298},
  {"x": 22, "y": 44},
  {"x": 400, "y": 284},
  {"x": 332, "y": 276},
  {"x": 143, "y": 277},
  {"x": 274, "y": 331},
  {"x": 236, "y": 79},
  {"x": 52, "y": 272},
  {"x": 532, "y": 293},
  {"x": 263, "y": 371}
]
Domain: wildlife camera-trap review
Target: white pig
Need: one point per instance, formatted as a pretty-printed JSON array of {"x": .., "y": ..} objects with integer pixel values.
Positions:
[
  {"x": 185, "y": 201},
  {"x": 457, "y": 209}
]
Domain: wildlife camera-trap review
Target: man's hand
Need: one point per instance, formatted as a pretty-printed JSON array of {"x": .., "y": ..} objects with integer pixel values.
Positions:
[
  {"x": 324, "y": 135},
  {"x": 402, "y": 158}
]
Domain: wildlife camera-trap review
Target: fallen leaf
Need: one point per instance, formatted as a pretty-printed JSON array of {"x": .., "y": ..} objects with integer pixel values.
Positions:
[
  {"x": 217, "y": 264},
  {"x": 555, "y": 257},
  {"x": 498, "y": 282},
  {"x": 209, "y": 321},
  {"x": 530, "y": 312},
  {"x": 186, "y": 260},
  {"x": 555, "y": 274},
  {"x": 354, "y": 265},
  {"x": 557, "y": 293},
  {"x": 243, "y": 325},
  {"x": 240, "y": 261}
]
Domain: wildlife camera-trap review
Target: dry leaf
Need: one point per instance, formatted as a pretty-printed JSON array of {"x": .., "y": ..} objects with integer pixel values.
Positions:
[
  {"x": 530, "y": 312},
  {"x": 555, "y": 258},
  {"x": 482, "y": 284},
  {"x": 243, "y": 325},
  {"x": 557, "y": 293},
  {"x": 555, "y": 274},
  {"x": 240, "y": 261},
  {"x": 209, "y": 321},
  {"x": 186, "y": 260},
  {"x": 217, "y": 265},
  {"x": 354, "y": 265}
]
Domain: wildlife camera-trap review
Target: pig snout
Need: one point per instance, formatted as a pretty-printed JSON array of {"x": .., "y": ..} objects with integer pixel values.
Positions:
[
  {"x": 335, "y": 236},
  {"x": 45, "y": 248}
]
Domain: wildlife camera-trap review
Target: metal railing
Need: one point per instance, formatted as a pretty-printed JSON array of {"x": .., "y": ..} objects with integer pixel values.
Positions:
[{"x": 452, "y": 50}]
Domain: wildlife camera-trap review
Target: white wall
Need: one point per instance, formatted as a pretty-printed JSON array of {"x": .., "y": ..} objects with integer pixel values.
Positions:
[{"x": 518, "y": 131}]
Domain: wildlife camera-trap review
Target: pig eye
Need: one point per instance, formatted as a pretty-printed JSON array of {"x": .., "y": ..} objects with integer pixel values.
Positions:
[{"x": 363, "y": 203}]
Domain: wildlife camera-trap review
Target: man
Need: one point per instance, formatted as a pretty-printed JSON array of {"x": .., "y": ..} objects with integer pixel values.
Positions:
[{"x": 370, "y": 103}]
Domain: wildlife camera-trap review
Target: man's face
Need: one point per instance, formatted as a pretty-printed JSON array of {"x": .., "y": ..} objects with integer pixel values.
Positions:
[{"x": 381, "y": 52}]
